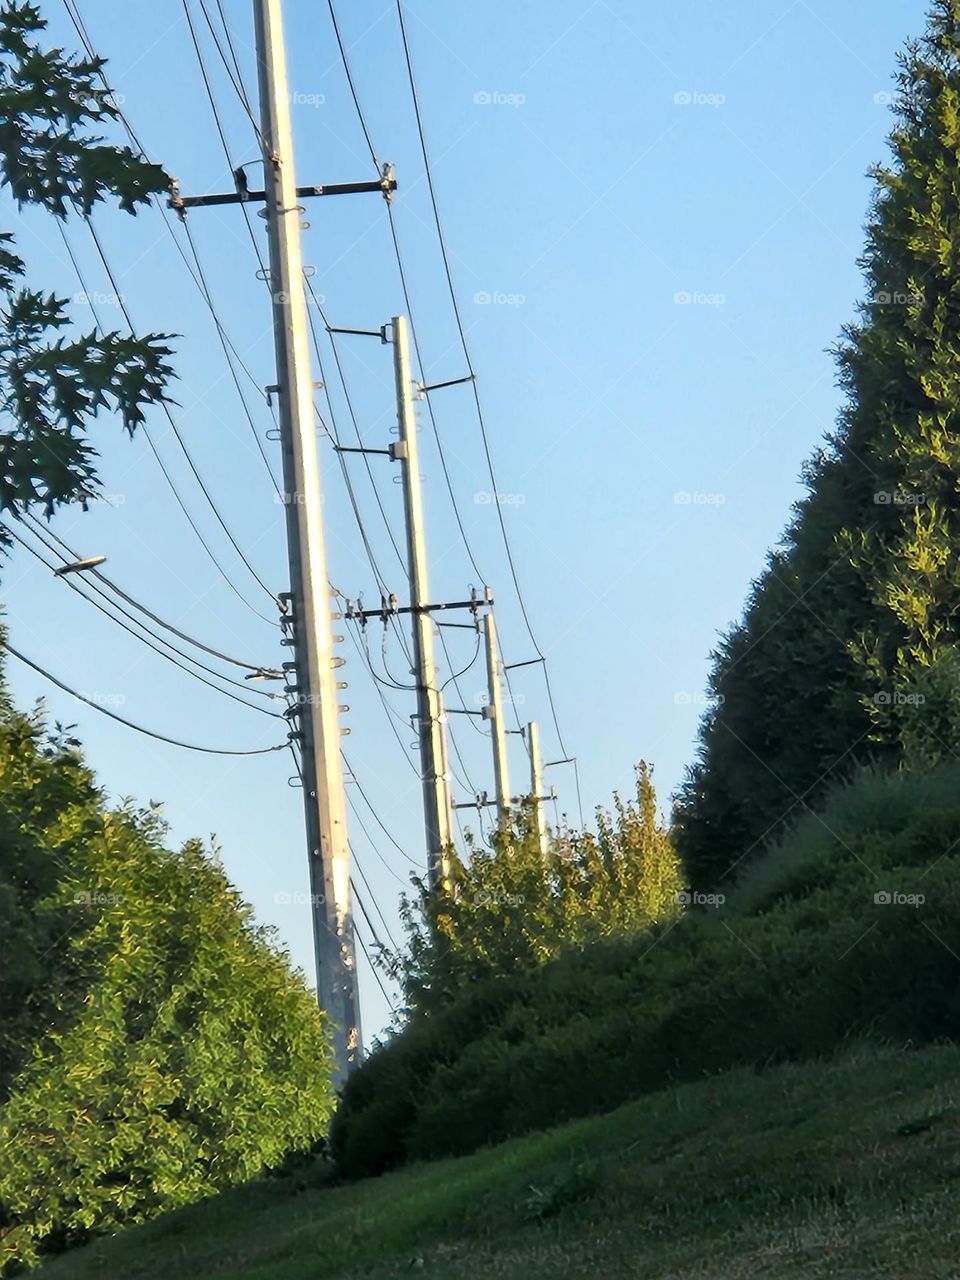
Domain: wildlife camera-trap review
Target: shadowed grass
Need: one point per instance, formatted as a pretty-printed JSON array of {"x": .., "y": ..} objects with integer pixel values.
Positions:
[{"x": 843, "y": 1169}]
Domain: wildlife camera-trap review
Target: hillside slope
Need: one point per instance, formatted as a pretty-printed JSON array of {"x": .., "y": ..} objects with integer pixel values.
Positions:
[{"x": 843, "y": 1169}]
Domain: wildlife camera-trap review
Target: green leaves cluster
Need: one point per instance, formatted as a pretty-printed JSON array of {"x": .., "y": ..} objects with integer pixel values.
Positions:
[
  {"x": 53, "y": 383},
  {"x": 510, "y": 909},
  {"x": 846, "y": 651},
  {"x": 847, "y": 931},
  {"x": 156, "y": 1044}
]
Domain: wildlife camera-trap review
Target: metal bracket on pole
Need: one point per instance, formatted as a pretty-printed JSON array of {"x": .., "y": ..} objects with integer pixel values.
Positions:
[{"x": 386, "y": 186}]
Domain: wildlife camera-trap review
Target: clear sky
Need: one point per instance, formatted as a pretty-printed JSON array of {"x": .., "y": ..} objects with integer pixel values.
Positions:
[{"x": 654, "y": 214}]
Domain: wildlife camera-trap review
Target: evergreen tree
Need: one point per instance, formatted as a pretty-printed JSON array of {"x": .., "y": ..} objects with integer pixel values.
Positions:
[
  {"x": 512, "y": 909},
  {"x": 846, "y": 650}
]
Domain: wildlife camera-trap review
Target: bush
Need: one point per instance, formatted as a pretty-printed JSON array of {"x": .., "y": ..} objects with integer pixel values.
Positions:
[
  {"x": 510, "y": 908},
  {"x": 164, "y": 1048},
  {"x": 803, "y": 957}
]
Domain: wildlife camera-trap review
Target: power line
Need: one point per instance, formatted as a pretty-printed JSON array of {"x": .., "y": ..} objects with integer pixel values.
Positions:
[
  {"x": 74, "y": 15},
  {"x": 472, "y": 372},
  {"x": 373, "y": 899},
  {"x": 41, "y": 531},
  {"x": 149, "y": 643},
  {"x": 159, "y": 460},
  {"x": 379, "y": 821},
  {"x": 165, "y": 408},
  {"x": 174, "y": 742}
]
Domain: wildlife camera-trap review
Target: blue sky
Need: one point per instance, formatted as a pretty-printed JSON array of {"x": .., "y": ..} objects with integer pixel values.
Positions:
[{"x": 654, "y": 215}]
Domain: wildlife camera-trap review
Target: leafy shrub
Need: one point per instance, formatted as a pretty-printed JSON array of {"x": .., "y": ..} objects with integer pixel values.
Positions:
[
  {"x": 510, "y": 908},
  {"x": 162, "y": 1049},
  {"x": 801, "y": 959}
]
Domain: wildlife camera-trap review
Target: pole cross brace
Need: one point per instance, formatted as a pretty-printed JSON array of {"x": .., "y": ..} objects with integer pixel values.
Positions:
[
  {"x": 478, "y": 802},
  {"x": 390, "y": 609},
  {"x": 386, "y": 185}
]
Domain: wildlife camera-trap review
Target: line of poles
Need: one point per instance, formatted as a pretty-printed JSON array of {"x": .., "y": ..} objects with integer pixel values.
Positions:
[{"x": 308, "y": 609}]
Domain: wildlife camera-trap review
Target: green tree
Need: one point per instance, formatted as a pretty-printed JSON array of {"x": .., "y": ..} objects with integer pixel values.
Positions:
[
  {"x": 53, "y": 380},
  {"x": 858, "y": 611},
  {"x": 511, "y": 909},
  {"x": 157, "y": 1044}
]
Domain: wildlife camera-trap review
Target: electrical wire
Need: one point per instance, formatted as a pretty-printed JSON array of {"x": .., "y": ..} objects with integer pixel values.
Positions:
[
  {"x": 165, "y": 408},
  {"x": 373, "y": 899},
  {"x": 472, "y": 372},
  {"x": 75, "y": 17},
  {"x": 441, "y": 238},
  {"x": 130, "y": 724},
  {"x": 379, "y": 821},
  {"x": 149, "y": 643},
  {"x": 40, "y": 530}
]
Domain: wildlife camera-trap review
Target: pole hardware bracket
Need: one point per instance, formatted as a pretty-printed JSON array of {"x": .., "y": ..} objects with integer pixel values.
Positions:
[{"x": 386, "y": 185}]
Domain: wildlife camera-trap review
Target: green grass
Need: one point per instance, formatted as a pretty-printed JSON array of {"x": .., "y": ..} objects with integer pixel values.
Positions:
[{"x": 845, "y": 1169}]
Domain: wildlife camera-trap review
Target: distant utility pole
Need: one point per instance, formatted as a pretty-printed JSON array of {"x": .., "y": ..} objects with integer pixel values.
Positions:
[
  {"x": 494, "y": 713},
  {"x": 537, "y": 796},
  {"x": 318, "y": 729},
  {"x": 431, "y": 719}
]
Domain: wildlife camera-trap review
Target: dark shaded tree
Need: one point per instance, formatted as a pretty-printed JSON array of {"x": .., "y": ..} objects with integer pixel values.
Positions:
[{"x": 845, "y": 654}]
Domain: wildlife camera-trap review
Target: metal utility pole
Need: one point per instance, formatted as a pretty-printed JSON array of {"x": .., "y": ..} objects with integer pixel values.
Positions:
[
  {"x": 536, "y": 785},
  {"x": 315, "y": 689},
  {"x": 494, "y": 713},
  {"x": 431, "y": 720}
]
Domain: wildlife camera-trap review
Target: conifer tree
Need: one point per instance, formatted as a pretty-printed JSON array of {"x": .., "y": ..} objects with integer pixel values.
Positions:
[{"x": 846, "y": 651}]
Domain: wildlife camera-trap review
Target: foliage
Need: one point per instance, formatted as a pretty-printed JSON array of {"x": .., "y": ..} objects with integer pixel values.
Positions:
[
  {"x": 52, "y": 385},
  {"x": 805, "y": 1170},
  {"x": 511, "y": 909},
  {"x": 858, "y": 612},
  {"x": 158, "y": 1046},
  {"x": 850, "y": 928}
]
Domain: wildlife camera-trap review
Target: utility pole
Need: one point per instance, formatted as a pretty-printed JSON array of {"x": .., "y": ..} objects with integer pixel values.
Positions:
[
  {"x": 315, "y": 688},
  {"x": 536, "y": 785},
  {"x": 494, "y": 713},
  {"x": 431, "y": 719}
]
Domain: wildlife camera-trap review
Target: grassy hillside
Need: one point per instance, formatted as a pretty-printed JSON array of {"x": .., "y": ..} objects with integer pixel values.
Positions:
[
  {"x": 846, "y": 1169},
  {"x": 849, "y": 930}
]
